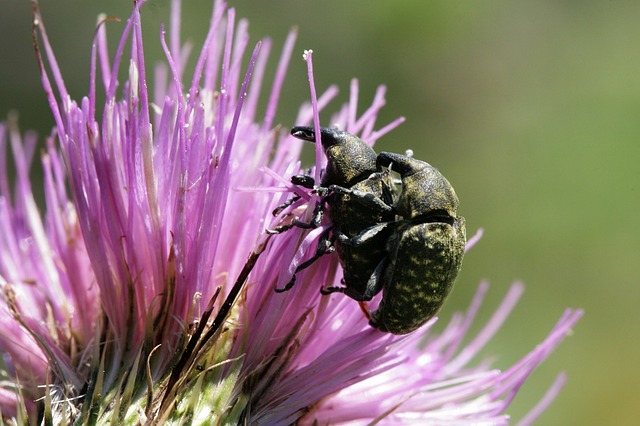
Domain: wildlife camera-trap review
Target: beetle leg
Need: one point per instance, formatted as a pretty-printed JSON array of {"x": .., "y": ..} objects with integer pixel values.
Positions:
[
  {"x": 347, "y": 291},
  {"x": 294, "y": 224},
  {"x": 284, "y": 205},
  {"x": 318, "y": 213},
  {"x": 304, "y": 181},
  {"x": 364, "y": 236},
  {"x": 374, "y": 285},
  {"x": 325, "y": 246},
  {"x": 367, "y": 199},
  {"x": 365, "y": 310}
]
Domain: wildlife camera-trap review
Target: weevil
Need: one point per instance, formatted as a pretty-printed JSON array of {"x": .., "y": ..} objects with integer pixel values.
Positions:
[
  {"x": 411, "y": 249},
  {"x": 424, "y": 250},
  {"x": 359, "y": 197}
]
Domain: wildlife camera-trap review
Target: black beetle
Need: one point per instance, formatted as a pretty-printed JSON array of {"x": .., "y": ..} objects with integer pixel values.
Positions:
[
  {"x": 358, "y": 197},
  {"x": 425, "y": 249}
]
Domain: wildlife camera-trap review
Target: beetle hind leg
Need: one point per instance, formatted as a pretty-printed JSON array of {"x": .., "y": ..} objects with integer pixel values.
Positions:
[{"x": 325, "y": 246}]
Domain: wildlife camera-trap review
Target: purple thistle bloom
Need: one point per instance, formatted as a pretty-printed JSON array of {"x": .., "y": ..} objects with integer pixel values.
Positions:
[{"x": 148, "y": 293}]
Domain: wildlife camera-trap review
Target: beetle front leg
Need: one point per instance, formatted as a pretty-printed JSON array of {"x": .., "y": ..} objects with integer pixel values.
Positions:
[
  {"x": 284, "y": 205},
  {"x": 304, "y": 181},
  {"x": 318, "y": 213}
]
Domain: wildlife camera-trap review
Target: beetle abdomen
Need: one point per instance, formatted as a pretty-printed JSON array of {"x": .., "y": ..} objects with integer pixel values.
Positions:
[{"x": 424, "y": 261}]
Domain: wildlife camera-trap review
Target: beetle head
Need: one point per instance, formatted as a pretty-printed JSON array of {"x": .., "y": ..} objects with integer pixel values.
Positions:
[{"x": 350, "y": 160}]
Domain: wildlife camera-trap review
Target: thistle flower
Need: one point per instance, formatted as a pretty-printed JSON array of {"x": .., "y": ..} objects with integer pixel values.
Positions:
[{"x": 145, "y": 294}]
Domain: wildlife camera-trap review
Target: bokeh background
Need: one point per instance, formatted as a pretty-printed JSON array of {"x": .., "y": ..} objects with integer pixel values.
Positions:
[{"x": 532, "y": 111}]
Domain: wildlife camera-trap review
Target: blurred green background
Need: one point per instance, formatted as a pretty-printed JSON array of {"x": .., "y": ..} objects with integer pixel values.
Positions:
[{"x": 531, "y": 110}]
